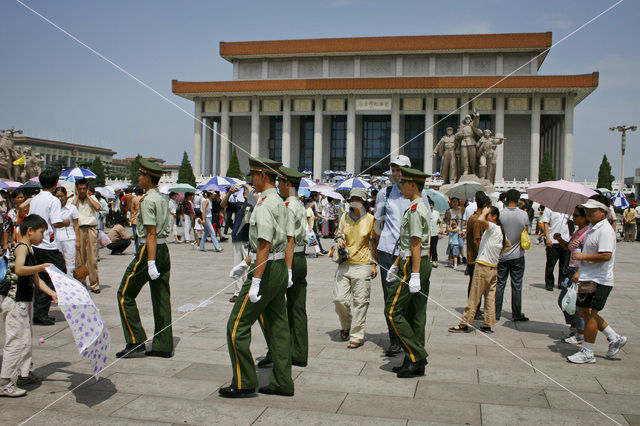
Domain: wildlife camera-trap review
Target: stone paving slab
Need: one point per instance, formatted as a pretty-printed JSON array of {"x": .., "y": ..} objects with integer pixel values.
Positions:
[
  {"x": 294, "y": 417},
  {"x": 510, "y": 415}
]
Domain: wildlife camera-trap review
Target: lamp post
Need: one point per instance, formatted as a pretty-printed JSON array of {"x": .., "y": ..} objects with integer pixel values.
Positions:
[{"x": 623, "y": 129}]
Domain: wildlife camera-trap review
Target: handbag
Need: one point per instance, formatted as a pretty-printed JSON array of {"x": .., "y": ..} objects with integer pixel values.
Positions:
[
  {"x": 525, "y": 240},
  {"x": 586, "y": 287}
]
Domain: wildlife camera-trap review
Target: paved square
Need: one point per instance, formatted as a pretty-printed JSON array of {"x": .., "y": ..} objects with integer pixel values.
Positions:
[{"x": 469, "y": 379}]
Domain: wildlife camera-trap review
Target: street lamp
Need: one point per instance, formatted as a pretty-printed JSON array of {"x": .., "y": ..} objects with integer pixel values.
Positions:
[{"x": 623, "y": 129}]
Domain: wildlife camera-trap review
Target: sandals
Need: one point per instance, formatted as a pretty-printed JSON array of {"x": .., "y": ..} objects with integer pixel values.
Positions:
[
  {"x": 460, "y": 329},
  {"x": 344, "y": 334},
  {"x": 354, "y": 345}
]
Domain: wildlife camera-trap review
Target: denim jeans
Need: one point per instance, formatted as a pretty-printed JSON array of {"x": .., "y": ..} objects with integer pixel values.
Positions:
[
  {"x": 208, "y": 230},
  {"x": 515, "y": 268}
]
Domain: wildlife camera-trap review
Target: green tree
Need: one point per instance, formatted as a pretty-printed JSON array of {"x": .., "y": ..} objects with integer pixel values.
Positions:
[
  {"x": 59, "y": 165},
  {"x": 546, "y": 168},
  {"x": 85, "y": 164},
  {"x": 234, "y": 166},
  {"x": 133, "y": 171},
  {"x": 605, "y": 178},
  {"x": 185, "y": 173},
  {"x": 98, "y": 168}
]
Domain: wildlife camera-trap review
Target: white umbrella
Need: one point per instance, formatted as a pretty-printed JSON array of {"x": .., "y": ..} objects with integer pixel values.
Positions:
[
  {"x": 348, "y": 184},
  {"x": 333, "y": 194},
  {"x": 620, "y": 201},
  {"x": 106, "y": 192},
  {"x": 464, "y": 190},
  {"x": 319, "y": 187},
  {"x": 78, "y": 173}
]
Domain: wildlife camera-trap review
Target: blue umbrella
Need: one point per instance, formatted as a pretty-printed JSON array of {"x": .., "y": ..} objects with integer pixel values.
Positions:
[
  {"x": 78, "y": 173},
  {"x": 3, "y": 185},
  {"x": 440, "y": 202},
  {"x": 303, "y": 192},
  {"x": 220, "y": 181},
  {"x": 306, "y": 183},
  {"x": 329, "y": 172},
  {"x": 307, "y": 172},
  {"x": 210, "y": 187},
  {"x": 347, "y": 184},
  {"x": 620, "y": 201}
]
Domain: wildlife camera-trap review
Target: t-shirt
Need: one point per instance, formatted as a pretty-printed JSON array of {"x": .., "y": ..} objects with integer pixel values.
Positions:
[
  {"x": 390, "y": 211},
  {"x": 513, "y": 220},
  {"x": 357, "y": 233},
  {"x": 68, "y": 232},
  {"x": 490, "y": 246},
  {"x": 557, "y": 224},
  {"x": 47, "y": 207},
  {"x": 600, "y": 238},
  {"x": 435, "y": 222},
  {"x": 474, "y": 232},
  {"x": 469, "y": 210},
  {"x": 173, "y": 206},
  {"x": 118, "y": 233},
  {"x": 630, "y": 215}
]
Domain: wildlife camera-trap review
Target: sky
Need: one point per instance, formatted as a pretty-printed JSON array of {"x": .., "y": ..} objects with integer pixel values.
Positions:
[{"x": 55, "y": 88}]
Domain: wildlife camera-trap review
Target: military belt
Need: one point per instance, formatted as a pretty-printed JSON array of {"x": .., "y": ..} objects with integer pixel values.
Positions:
[
  {"x": 272, "y": 256},
  {"x": 407, "y": 253}
]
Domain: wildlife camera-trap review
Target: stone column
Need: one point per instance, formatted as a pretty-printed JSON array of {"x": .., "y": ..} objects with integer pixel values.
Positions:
[
  {"x": 317, "y": 139},
  {"x": 286, "y": 131},
  {"x": 255, "y": 126},
  {"x": 216, "y": 148},
  {"x": 395, "y": 125},
  {"x": 208, "y": 146},
  {"x": 500, "y": 132},
  {"x": 224, "y": 137},
  {"x": 197, "y": 139},
  {"x": 351, "y": 134},
  {"x": 567, "y": 151},
  {"x": 535, "y": 139},
  {"x": 428, "y": 135}
]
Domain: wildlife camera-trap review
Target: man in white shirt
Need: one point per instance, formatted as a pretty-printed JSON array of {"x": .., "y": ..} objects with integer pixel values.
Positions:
[
  {"x": 554, "y": 223},
  {"x": 47, "y": 206},
  {"x": 173, "y": 218},
  {"x": 88, "y": 233},
  {"x": 595, "y": 278}
]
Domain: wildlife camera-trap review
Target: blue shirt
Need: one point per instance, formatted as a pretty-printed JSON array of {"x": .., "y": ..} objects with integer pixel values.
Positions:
[
  {"x": 241, "y": 214},
  {"x": 390, "y": 211}
]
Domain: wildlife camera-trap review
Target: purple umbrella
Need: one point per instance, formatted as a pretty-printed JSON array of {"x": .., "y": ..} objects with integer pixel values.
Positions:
[{"x": 560, "y": 196}]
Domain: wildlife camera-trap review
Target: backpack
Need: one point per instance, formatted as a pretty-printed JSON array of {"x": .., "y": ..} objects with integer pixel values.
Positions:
[{"x": 9, "y": 283}]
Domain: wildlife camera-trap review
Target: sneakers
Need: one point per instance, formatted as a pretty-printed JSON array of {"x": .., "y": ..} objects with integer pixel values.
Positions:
[
  {"x": 614, "y": 346},
  {"x": 11, "y": 390},
  {"x": 572, "y": 332},
  {"x": 576, "y": 339},
  {"x": 583, "y": 356}
]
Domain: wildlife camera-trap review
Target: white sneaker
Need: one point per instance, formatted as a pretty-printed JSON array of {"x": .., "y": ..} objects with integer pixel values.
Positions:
[
  {"x": 583, "y": 356},
  {"x": 616, "y": 345},
  {"x": 11, "y": 390},
  {"x": 572, "y": 332},
  {"x": 574, "y": 340}
]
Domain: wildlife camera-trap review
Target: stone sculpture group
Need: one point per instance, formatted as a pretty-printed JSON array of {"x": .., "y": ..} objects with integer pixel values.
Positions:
[{"x": 9, "y": 153}]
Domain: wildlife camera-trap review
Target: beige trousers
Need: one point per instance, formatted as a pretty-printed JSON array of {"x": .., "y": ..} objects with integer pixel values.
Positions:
[
  {"x": 16, "y": 356},
  {"x": 352, "y": 287},
  {"x": 483, "y": 284},
  {"x": 88, "y": 254}
]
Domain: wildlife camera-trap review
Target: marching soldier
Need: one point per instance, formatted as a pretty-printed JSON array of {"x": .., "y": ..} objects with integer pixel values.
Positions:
[
  {"x": 405, "y": 309},
  {"x": 152, "y": 264},
  {"x": 288, "y": 182},
  {"x": 263, "y": 293}
]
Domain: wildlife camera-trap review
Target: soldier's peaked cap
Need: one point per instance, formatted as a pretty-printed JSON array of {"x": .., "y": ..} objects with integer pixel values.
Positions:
[
  {"x": 290, "y": 175},
  {"x": 414, "y": 175},
  {"x": 150, "y": 168},
  {"x": 260, "y": 164}
]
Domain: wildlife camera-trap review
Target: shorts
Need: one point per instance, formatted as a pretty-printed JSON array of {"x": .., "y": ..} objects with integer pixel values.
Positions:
[
  {"x": 596, "y": 300},
  {"x": 453, "y": 250}
]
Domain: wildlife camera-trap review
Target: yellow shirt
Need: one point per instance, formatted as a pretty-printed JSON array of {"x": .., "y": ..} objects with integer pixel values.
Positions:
[{"x": 357, "y": 234}]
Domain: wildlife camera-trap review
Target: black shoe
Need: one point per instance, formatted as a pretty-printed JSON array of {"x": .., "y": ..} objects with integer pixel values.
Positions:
[
  {"x": 299, "y": 363},
  {"x": 324, "y": 251},
  {"x": 231, "y": 392},
  {"x": 549, "y": 288},
  {"x": 393, "y": 350},
  {"x": 266, "y": 361},
  {"x": 412, "y": 369},
  {"x": 159, "y": 354},
  {"x": 52, "y": 318},
  {"x": 42, "y": 321},
  {"x": 265, "y": 390},
  {"x": 96, "y": 291},
  {"x": 223, "y": 239},
  {"x": 486, "y": 330},
  {"x": 522, "y": 318},
  {"x": 398, "y": 368},
  {"x": 479, "y": 315},
  {"x": 131, "y": 350}
]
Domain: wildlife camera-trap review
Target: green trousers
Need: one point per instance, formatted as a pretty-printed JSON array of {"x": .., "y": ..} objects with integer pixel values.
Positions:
[
  {"x": 407, "y": 312},
  {"x": 273, "y": 308},
  {"x": 134, "y": 278},
  {"x": 296, "y": 310}
]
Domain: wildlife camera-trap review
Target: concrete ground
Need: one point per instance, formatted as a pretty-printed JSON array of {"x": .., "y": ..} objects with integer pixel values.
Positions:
[{"x": 470, "y": 379}]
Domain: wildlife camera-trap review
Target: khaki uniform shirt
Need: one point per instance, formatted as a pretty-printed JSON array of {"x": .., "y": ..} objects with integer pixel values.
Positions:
[
  {"x": 269, "y": 222},
  {"x": 296, "y": 221},
  {"x": 415, "y": 223},
  {"x": 153, "y": 211}
]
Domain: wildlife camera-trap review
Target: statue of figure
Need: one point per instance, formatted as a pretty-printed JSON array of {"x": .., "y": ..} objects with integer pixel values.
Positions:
[
  {"x": 487, "y": 156},
  {"x": 32, "y": 167},
  {"x": 468, "y": 136},
  {"x": 8, "y": 154},
  {"x": 447, "y": 148}
]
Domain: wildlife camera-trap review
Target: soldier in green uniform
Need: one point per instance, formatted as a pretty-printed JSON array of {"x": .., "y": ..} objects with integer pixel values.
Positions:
[
  {"x": 263, "y": 293},
  {"x": 288, "y": 182},
  {"x": 151, "y": 264},
  {"x": 405, "y": 308}
]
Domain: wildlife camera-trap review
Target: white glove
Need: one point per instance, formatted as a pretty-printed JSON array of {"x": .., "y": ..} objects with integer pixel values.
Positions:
[
  {"x": 153, "y": 271},
  {"x": 238, "y": 271},
  {"x": 290, "y": 283},
  {"x": 253, "y": 291},
  {"x": 392, "y": 273},
  {"x": 414, "y": 282}
]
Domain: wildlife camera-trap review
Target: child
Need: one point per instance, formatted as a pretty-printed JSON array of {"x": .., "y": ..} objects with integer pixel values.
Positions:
[
  {"x": 455, "y": 243},
  {"x": 199, "y": 230},
  {"x": 66, "y": 237},
  {"x": 16, "y": 308}
]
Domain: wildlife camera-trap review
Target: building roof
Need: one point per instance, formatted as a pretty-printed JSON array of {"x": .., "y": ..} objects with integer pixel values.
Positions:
[
  {"x": 129, "y": 160},
  {"x": 582, "y": 84},
  {"x": 387, "y": 45},
  {"x": 24, "y": 140}
]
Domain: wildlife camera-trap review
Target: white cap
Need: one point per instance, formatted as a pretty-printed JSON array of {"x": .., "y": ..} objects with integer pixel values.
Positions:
[
  {"x": 595, "y": 204},
  {"x": 401, "y": 160}
]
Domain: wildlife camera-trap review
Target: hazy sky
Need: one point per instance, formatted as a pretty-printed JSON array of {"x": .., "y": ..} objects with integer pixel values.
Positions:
[{"x": 52, "y": 87}]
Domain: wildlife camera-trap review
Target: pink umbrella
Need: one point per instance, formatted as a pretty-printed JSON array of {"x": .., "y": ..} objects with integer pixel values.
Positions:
[
  {"x": 12, "y": 184},
  {"x": 560, "y": 196},
  {"x": 333, "y": 194},
  {"x": 35, "y": 179}
]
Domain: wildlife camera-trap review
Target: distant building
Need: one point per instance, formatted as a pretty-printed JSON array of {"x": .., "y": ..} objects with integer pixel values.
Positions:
[
  {"x": 634, "y": 182},
  {"x": 171, "y": 172},
  {"x": 346, "y": 103},
  {"x": 123, "y": 165},
  {"x": 56, "y": 150}
]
